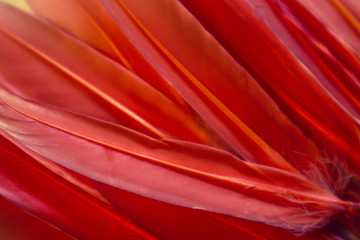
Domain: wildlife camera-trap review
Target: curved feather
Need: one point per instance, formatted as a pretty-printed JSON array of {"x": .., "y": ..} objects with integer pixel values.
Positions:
[
  {"x": 337, "y": 42},
  {"x": 128, "y": 160},
  {"x": 200, "y": 70},
  {"x": 89, "y": 21},
  {"x": 338, "y": 20},
  {"x": 338, "y": 73},
  {"x": 137, "y": 163},
  {"x": 18, "y": 224},
  {"x": 342, "y": 85},
  {"x": 57, "y": 201},
  {"x": 295, "y": 90},
  {"x": 74, "y": 68},
  {"x": 80, "y": 181},
  {"x": 175, "y": 222}
]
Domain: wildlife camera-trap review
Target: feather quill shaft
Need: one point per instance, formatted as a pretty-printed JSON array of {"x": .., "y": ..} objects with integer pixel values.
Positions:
[
  {"x": 182, "y": 162},
  {"x": 273, "y": 65},
  {"x": 240, "y": 124},
  {"x": 330, "y": 66},
  {"x": 91, "y": 23},
  {"x": 67, "y": 208},
  {"x": 185, "y": 100},
  {"x": 100, "y": 77}
]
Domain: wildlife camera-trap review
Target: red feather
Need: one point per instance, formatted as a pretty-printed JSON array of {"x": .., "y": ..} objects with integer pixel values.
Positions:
[{"x": 222, "y": 119}]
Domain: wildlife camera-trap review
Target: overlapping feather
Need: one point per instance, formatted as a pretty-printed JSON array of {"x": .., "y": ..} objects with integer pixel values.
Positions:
[{"x": 219, "y": 114}]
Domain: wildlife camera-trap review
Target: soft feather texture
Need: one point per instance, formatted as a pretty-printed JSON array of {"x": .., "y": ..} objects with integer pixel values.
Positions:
[
  {"x": 175, "y": 222},
  {"x": 189, "y": 166},
  {"x": 92, "y": 24},
  {"x": 90, "y": 72},
  {"x": 198, "y": 86},
  {"x": 67, "y": 208},
  {"x": 183, "y": 117},
  {"x": 274, "y": 80},
  {"x": 313, "y": 54},
  {"x": 13, "y": 218},
  {"x": 272, "y": 64}
]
